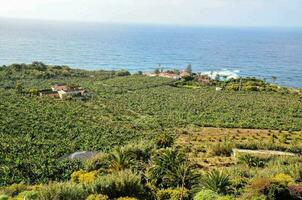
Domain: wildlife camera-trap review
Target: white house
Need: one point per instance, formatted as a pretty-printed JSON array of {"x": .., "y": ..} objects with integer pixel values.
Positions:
[{"x": 69, "y": 93}]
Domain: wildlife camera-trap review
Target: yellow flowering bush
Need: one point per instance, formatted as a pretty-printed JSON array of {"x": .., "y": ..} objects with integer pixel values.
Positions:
[
  {"x": 173, "y": 194},
  {"x": 83, "y": 176},
  {"x": 127, "y": 198},
  {"x": 283, "y": 179},
  {"x": 97, "y": 197}
]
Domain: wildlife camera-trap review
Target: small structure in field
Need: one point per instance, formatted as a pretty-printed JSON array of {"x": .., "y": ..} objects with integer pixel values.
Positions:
[
  {"x": 81, "y": 155},
  {"x": 59, "y": 87},
  {"x": 63, "y": 94},
  {"x": 218, "y": 89},
  {"x": 49, "y": 93},
  {"x": 167, "y": 74},
  {"x": 63, "y": 91},
  {"x": 172, "y": 75},
  {"x": 150, "y": 74}
]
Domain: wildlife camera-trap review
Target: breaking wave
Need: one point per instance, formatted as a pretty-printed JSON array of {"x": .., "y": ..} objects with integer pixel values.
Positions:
[{"x": 222, "y": 74}]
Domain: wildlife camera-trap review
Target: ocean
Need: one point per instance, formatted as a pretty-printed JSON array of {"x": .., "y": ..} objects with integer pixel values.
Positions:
[{"x": 258, "y": 52}]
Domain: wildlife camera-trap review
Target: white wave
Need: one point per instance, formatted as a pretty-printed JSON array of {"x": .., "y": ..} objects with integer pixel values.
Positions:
[{"x": 223, "y": 74}]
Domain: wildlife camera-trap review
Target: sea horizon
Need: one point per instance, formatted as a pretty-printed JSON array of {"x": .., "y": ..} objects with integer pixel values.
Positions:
[{"x": 261, "y": 52}]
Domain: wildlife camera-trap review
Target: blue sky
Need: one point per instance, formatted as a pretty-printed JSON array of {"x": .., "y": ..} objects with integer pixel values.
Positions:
[{"x": 182, "y": 12}]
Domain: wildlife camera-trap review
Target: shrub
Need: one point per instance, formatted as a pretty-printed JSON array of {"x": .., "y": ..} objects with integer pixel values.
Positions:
[
  {"x": 33, "y": 91},
  {"x": 206, "y": 195},
  {"x": 283, "y": 179},
  {"x": 226, "y": 198},
  {"x": 62, "y": 191},
  {"x": 259, "y": 197},
  {"x": 151, "y": 190},
  {"x": 63, "y": 169},
  {"x": 127, "y": 198},
  {"x": 129, "y": 156},
  {"x": 140, "y": 154},
  {"x": 97, "y": 197},
  {"x": 98, "y": 162},
  {"x": 260, "y": 185},
  {"x": 4, "y": 197},
  {"x": 119, "y": 184},
  {"x": 164, "y": 140},
  {"x": 120, "y": 159},
  {"x": 172, "y": 194},
  {"x": 278, "y": 192},
  {"x": 210, "y": 195},
  {"x": 140, "y": 151},
  {"x": 216, "y": 181},
  {"x": 221, "y": 149},
  {"x": 83, "y": 176},
  {"x": 274, "y": 189},
  {"x": 123, "y": 73},
  {"x": 251, "y": 88},
  {"x": 171, "y": 169},
  {"x": 253, "y": 161},
  {"x": 28, "y": 195},
  {"x": 299, "y": 173},
  {"x": 295, "y": 191},
  {"x": 14, "y": 189}
]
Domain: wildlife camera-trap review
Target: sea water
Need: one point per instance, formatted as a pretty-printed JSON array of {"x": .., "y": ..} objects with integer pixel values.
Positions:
[{"x": 259, "y": 52}]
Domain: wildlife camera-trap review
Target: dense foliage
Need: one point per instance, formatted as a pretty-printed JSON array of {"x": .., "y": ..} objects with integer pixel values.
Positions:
[{"x": 35, "y": 132}]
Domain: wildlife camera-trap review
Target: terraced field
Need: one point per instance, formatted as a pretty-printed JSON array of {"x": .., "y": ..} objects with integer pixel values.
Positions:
[
  {"x": 213, "y": 147},
  {"x": 36, "y": 131}
]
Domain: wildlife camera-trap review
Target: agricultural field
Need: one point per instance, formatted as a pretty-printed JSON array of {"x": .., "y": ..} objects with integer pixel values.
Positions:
[
  {"x": 123, "y": 110},
  {"x": 213, "y": 147},
  {"x": 267, "y": 153}
]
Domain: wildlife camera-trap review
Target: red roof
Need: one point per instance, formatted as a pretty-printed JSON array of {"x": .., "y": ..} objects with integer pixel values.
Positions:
[{"x": 59, "y": 87}]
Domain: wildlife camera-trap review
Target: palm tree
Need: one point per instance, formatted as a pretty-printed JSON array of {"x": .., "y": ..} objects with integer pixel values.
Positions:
[
  {"x": 171, "y": 169},
  {"x": 216, "y": 181},
  {"x": 120, "y": 160}
]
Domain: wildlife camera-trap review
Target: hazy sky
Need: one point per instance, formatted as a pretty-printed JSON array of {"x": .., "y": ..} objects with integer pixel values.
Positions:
[{"x": 189, "y": 12}]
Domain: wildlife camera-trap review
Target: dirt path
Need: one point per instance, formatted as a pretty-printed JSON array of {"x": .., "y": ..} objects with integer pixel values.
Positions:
[{"x": 264, "y": 152}]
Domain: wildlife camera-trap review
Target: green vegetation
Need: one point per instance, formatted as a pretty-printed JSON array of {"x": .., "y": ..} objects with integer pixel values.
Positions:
[
  {"x": 253, "y": 84},
  {"x": 253, "y": 161},
  {"x": 171, "y": 169},
  {"x": 152, "y": 137},
  {"x": 210, "y": 195},
  {"x": 244, "y": 175},
  {"x": 168, "y": 174},
  {"x": 216, "y": 181},
  {"x": 240, "y": 84}
]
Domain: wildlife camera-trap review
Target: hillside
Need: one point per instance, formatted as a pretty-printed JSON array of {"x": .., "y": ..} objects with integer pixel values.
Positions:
[{"x": 36, "y": 131}]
